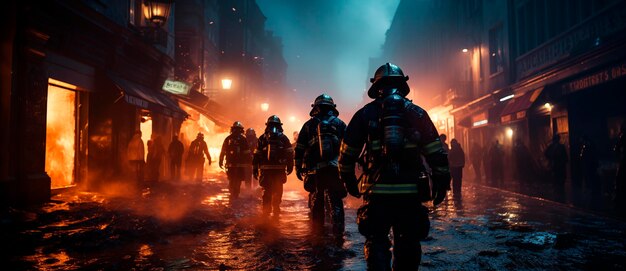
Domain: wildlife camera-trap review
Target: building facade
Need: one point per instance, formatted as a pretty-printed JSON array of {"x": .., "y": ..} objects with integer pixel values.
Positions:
[
  {"x": 532, "y": 69},
  {"x": 83, "y": 76}
]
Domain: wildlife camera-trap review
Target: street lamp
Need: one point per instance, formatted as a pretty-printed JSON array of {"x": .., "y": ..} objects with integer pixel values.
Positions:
[
  {"x": 157, "y": 11},
  {"x": 227, "y": 83},
  {"x": 549, "y": 107},
  {"x": 265, "y": 107}
]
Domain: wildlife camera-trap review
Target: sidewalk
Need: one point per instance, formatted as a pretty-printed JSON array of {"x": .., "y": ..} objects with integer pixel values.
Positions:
[{"x": 597, "y": 198}]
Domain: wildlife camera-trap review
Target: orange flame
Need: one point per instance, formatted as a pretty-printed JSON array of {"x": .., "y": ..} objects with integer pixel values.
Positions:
[
  {"x": 214, "y": 138},
  {"x": 60, "y": 136}
]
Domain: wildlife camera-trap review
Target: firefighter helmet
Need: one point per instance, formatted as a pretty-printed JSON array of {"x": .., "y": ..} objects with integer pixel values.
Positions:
[
  {"x": 237, "y": 127},
  {"x": 273, "y": 119},
  {"x": 325, "y": 101},
  {"x": 388, "y": 76},
  {"x": 250, "y": 131}
]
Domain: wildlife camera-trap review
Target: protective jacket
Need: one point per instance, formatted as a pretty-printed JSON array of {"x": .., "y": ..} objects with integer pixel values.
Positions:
[
  {"x": 386, "y": 175},
  {"x": 236, "y": 151},
  {"x": 322, "y": 133},
  {"x": 307, "y": 151},
  {"x": 273, "y": 160},
  {"x": 273, "y": 153}
]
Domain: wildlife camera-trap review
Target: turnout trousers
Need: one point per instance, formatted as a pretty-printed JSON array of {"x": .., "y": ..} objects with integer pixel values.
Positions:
[{"x": 402, "y": 213}]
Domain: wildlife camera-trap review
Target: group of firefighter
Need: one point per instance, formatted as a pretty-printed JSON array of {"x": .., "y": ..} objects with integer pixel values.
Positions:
[
  {"x": 390, "y": 139},
  {"x": 194, "y": 162}
]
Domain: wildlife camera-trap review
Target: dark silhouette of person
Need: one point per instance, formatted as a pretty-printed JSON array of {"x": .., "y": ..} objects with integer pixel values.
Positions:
[
  {"x": 557, "y": 160},
  {"x": 523, "y": 161},
  {"x": 156, "y": 151},
  {"x": 443, "y": 138},
  {"x": 456, "y": 158},
  {"x": 496, "y": 163},
  {"x": 392, "y": 187},
  {"x": 236, "y": 152},
  {"x": 316, "y": 154},
  {"x": 476, "y": 158},
  {"x": 175, "y": 151},
  {"x": 195, "y": 157},
  {"x": 272, "y": 162}
]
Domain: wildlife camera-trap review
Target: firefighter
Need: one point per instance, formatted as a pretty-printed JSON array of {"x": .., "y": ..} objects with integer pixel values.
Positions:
[
  {"x": 195, "y": 157},
  {"x": 316, "y": 154},
  {"x": 395, "y": 133},
  {"x": 272, "y": 162},
  {"x": 238, "y": 156}
]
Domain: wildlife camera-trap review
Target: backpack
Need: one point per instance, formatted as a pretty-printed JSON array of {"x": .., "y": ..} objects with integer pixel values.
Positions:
[
  {"x": 327, "y": 139},
  {"x": 393, "y": 123},
  {"x": 195, "y": 149},
  {"x": 236, "y": 147},
  {"x": 274, "y": 152}
]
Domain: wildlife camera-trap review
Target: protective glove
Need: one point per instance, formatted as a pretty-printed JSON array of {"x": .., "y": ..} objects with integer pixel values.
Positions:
[
  {"x": 351, "y": 185},
  {"x": 299, "y": 174},
  {"x": 441, "y": 184}
]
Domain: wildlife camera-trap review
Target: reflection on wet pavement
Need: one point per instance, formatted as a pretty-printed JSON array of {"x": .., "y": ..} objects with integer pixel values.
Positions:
[{"x": 197, "y": 226}]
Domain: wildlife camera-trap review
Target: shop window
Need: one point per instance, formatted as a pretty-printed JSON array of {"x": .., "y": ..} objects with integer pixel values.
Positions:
[
  {"x": 562, "y": 126},
  {"x": 134, "y": 12},
  {"x": 496, "y": 46}
]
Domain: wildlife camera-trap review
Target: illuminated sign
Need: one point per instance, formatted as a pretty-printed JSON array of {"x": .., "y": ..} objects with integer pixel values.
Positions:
[
  {"x": 479, "y": 123},
  {"x": 507, "y": 97},
  {"x": 605, "y": 75},
  {"x": 176, "y": 87}
]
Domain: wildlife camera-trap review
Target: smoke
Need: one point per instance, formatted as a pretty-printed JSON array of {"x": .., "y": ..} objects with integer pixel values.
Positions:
[{"x": 327, "y": 45}]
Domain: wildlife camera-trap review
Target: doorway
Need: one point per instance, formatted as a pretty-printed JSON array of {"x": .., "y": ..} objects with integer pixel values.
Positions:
[{"x": 61, "y": 136}]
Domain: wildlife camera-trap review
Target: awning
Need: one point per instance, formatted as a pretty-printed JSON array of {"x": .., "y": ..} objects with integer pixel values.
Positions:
[
  {"x": 206, "y": 107},
  {"x": 146, "y": 98},
  {"x": 516, "y": 108},
  {"x": 487, "y": 117}
]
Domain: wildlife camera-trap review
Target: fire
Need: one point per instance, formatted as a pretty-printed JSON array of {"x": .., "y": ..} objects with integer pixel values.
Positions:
[
  {"x": 61, "y": 136},
  {"x": 198, "y": 123},
  {"x": 146, "y": 134}
]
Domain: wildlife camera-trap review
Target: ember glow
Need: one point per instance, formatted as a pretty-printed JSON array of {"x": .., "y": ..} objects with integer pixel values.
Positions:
[
  {"x": 60, "y": 136},
  {"x": 198, "y": 123},
  {"x": 146, "y": 134}
]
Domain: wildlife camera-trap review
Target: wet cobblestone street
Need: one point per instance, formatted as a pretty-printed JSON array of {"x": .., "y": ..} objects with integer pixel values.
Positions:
[{"x": 196, "y": 227}]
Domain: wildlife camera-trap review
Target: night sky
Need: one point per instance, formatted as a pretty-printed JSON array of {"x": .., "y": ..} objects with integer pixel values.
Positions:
[{"x": 327, "y": 44}]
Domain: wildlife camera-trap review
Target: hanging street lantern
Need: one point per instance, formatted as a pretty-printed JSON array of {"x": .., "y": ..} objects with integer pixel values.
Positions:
[{"x": 157, "y": 11}]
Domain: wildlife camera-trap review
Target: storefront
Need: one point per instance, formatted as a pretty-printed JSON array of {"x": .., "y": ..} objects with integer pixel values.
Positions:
[
  {"x": 595, "y": 108},
  {"x": 69, "y": 123},
  {"x": 526, "y": 118}
]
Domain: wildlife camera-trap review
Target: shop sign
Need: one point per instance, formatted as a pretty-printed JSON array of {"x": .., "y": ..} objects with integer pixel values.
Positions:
[
  {"x": 605, "y": 75},
  {"x": 176, "y": 87},
  {"x": 605, "y": 24},
  {"x": 479, "y": 119}
]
